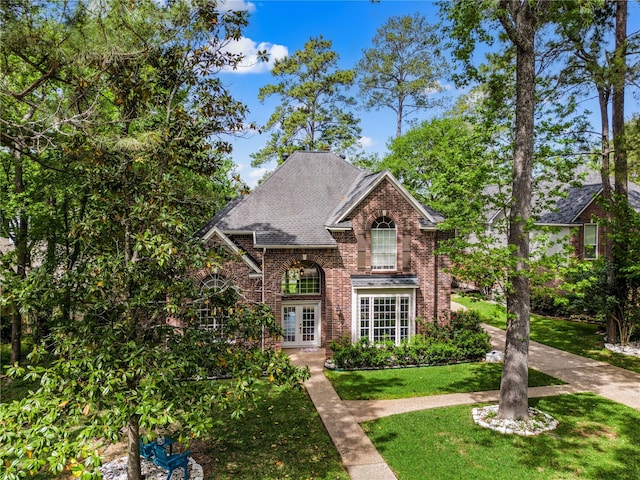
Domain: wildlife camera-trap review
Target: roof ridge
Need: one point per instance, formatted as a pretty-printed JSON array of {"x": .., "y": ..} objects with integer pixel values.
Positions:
[{"x": 348, "y": 196}]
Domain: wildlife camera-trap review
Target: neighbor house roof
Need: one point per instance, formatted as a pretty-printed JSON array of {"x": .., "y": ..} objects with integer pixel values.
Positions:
[
  {"x": 577, "y": 198},
  {"x": 310, "y": 194},
  {"x": 569, "y": 200}
]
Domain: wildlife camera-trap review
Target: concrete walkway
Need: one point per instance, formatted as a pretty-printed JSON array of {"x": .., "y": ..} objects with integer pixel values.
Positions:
[
  {"x": 363, "y": 462},
  {"x": 359, "y": 456}
]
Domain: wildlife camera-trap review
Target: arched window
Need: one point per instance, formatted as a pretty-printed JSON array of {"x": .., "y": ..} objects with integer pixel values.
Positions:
[
  {"x": 383, "y": 244},
  {"x": 301, "y": 278},
  {"x": 217, "y": 298}
]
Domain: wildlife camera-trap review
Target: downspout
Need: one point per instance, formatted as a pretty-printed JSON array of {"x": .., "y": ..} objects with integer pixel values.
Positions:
[
  {"x": 264, "y": 252},
  {"x": 435, "y": 276}
]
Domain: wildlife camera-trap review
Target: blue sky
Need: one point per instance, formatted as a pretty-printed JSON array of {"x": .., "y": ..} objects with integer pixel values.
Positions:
[{"x": 284, "y": 26}]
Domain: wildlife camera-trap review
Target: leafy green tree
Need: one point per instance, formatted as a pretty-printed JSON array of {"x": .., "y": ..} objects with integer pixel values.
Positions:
[
  {"x": 314, "y": 113},
  {"x": 443, "y": 163},
  {"x": 520, "y": 21},
  {"x": 33, "y": 114},
  {"x": 125, "y": 352},
  {"x": 588, "y": 282},
  {"x": 632, "y": 134},
  {"x": 403, "y": 68},
  {"x": 592, "y": 65}
]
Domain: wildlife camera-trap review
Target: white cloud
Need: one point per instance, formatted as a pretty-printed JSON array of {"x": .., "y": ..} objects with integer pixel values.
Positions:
[
  {"x": 223, "y": 5},
  {"x": 251, "y": 176},
  {"x": 257, "y": 173},
  {"x": 254, "y": 176},
  {"x": 236, "y": 5},
  {"x": 249, "y": 50},
  {"x": 439, "y": 88},
  {"x": 366, "y": 142}
]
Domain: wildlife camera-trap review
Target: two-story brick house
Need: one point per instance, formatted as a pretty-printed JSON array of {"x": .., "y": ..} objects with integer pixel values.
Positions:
[{"x": 335, "y": 251}]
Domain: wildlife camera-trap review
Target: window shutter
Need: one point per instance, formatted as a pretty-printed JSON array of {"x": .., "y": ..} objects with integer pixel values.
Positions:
[
  {"x": 362, "y": 252},
  {"x": 406, "y": 251}
]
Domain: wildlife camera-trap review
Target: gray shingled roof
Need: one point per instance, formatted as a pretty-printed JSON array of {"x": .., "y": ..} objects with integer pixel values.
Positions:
[
  {"x": 567, "y": 208},
  {"x": 634, "y": 196},
  {"x": 358, "y": 189},
  {"x": 291, "y": 207},
  {"x": 579, "y": 197},
  {"x": 295, "y": 206},
  {"x": 571, "y": 199},
  {"x": 385, "y": 281}
]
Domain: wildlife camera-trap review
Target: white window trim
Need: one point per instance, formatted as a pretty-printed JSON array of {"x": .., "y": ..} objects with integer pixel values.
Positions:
[
  {"x": 298, "y": 283},
  {"x": 318, "y": 314},
  {"x": 584, "y": 242},
  {"x": 207, "y": 320},
  {"x": 382, "y": 292},
  {"x": 385, "y": 268}
]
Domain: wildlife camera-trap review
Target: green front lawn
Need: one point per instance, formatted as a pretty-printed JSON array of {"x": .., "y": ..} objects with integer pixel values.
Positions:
[
  {"x": 281, "y": 436},
  {"x": 424, "y": 381},
  {"x": 596, "y": 439},
  {"x": 575, "y": 337}
]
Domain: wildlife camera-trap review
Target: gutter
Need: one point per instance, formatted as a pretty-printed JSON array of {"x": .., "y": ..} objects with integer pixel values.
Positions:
[{"x": 293, "y": 247}]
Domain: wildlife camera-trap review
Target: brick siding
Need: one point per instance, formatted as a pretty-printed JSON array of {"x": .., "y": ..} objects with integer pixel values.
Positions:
[
  {"x": 338, "y": 264},
  {"x": 591, "y": 214}
]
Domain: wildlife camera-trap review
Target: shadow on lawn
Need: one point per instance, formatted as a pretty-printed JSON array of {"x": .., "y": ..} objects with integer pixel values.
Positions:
[
  {"x": 596, "y": 438},
  {"x": 361, "y": 386},
  {"x": 484, "y": 377},
  {"x": 280, "y": 436}
]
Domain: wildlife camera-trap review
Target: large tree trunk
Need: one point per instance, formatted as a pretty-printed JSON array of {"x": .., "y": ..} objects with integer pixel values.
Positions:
[
  {"x": 605, "y": 174},
  {"x": 133, "y": 449},
  {"x": 399, "y": 115},
  {"x": 617, "y": 113},
  {"x": 16, "y": 334},
  {"x": 619, "y": 248},
  {"x": 22, "y": 257},
  {"x": 514, "y": 400}
]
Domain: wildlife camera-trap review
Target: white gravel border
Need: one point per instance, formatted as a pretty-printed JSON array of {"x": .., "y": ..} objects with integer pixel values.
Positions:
[
  {"x": 117, "y": 470},
  {"x": 537, "y": 422}
]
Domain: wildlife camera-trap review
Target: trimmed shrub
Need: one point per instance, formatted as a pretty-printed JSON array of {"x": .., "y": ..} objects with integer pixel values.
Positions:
[
  {"x": 462, "y": 339},
  {"x": 550, "y": 303}
]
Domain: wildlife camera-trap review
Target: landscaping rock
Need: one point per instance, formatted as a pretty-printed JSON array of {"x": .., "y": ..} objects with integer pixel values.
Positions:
[
  {"x": 117, "y": 470},
  {"x": 494, "y": 356},
  {"x": 537, "y": 422},
  {"x": 633, "y": 348}
]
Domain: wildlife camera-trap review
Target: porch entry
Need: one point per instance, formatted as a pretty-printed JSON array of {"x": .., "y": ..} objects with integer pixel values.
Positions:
[{"x": 301, "y": 324}]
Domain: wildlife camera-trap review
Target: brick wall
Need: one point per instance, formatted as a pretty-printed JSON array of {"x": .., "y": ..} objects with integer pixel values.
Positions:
[
  {"x": 338, "y": 264},
  {"x": 591, "y": 214}
]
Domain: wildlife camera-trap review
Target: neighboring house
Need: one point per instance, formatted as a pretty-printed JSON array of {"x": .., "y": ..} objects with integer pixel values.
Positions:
[
  {"x": 334, "y": 251},
  {"x": 572, "y": 215}
]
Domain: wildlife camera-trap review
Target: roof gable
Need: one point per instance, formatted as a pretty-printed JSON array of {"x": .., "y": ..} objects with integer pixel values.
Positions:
[
  {"x": 215, "y": 232},
  {"x": 310, "y": 194},
  {"x": 578, "y": 198},
  {"x": 366, "y": 185}
]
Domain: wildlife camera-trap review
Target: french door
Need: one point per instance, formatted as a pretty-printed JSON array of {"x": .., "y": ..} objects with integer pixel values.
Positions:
[{"x": 301, "y": 325}]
